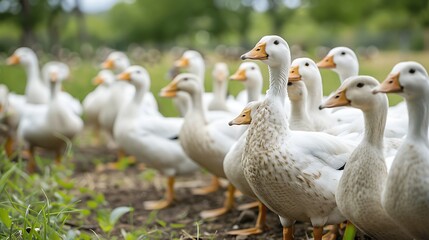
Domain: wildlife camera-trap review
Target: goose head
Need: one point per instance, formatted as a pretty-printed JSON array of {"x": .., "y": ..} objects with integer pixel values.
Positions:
[
  {"x": 297, "y": 91},
  {"x": 191, "y": 60},
  {"x": 304, "y": 69},
  {"x": 356, "y": 92},
  {"x": 220, "y": 72},
  {"x": 272, "y": 50},
  {"x": 55, "y": 71},
  {"x": 116, "y": 61},
  {"x": 137, "y": 76},
  {"x": 24, "y": 56},
  {"x": 408, "y": 79},
  {"x": 105, "y": 77},
  {"x": 341, "y": 60},
  {"x": 186, "y": 82},
  {"x": 246, "y": 115},
  {"x": 249, "y": 73}
]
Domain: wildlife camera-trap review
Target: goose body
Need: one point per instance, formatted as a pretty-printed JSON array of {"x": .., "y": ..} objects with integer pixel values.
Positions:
[
  {"x": 405, "y": 197},
  {"x": 363, "y": 181},
  {"x": 49, "y": 126}
]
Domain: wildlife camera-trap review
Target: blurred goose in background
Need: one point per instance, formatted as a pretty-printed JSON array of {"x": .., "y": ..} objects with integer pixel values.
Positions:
[
  {"x": 36, "y": 90},
  {"x": 220, "y": 102},
  {"x": 65, "y": 97},
  {"x": 249, "y": 74},
  {"x": 205, "y": 143},
  {"x": 294, "y": 173},
  {"x": 9, "y": 119},
  {"x": 95, "y": 100},
  {"x": 405, "y": 197},
  {"x": 152, "y": 140},
  {"x": 363, "y": 181},
  {"x": 50, "y": 126}
]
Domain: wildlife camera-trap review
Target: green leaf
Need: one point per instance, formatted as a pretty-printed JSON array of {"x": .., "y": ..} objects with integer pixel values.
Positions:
[
  {"x": 4, "y": 217},
  {"x": 177, "y": 225},
  {"x": 162, "y": 223},
  {"x": 92, "y": 204},
  {"x": 5, "y": 177},
  {"x": 117, "y": 213}
]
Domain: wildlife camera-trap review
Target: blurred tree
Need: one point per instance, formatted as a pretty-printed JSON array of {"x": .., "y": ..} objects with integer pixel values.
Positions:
[
  {"x": 279, "y": 14},
  {"x": 161, "y": 21},
  {"x": 26, "y": 14}
]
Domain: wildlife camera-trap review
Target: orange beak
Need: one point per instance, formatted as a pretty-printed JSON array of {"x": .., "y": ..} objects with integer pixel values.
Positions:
[
  {"x": 336, "y": 100},
  {"x": 126, "y": 76},
  {"x": 108, "y": 64},
  {"x": 240, "y": 75},
  {"x": 327, "y": 62},
  {"x": 53, "y": 77},
  {"x": 182, "y": 62},
  {"x": 389, "y": 85},
  {"x": 97, "y": 80},
  {"x": 294, "y": 74},
  {"x": 243, "y": 118},
  {"x": 170, "y": 90},
  {"x": 13, "y": 60},
  {"x": 257, "y": 53}
]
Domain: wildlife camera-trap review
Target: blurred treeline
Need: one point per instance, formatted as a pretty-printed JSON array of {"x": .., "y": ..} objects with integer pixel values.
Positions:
[{"x": 51, "y": 25}]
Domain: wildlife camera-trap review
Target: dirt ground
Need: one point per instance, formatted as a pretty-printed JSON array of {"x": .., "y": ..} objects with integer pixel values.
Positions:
[{"x": 129, "y": 188}]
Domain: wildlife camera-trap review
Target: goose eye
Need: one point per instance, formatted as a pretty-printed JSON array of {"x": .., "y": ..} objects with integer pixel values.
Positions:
[
  {"x": 307, "y": 64},
  {"x": 343, "y": 53},
  {"x": 185, "y": 79},
  {"x": 412, "y": 71},
  {"x": 138, "y": 71},
  {"x": 253, "y": 68},
  {"x": 289, "y": 84},
  {"x": 276, "y": 42},
  {"x": 359, "y": 85}
]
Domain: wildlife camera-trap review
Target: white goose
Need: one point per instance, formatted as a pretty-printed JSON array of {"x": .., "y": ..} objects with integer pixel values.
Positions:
[
  {"x": 299, "y": 117},
  {"x": 49, "y": 126},
  {"x": 36, "y": 91},
  {"x": 205, "y": 143},
  {"x": 9, "y": 119},
  {"x": 406, "y": 196},
  {"x": 250, "y": 74},
  {"x": 293, "y": 173},
  {"x": 305, "y": 69},
  {"x": 220, "y": 89},
  {"x": 360, "y": 189},
  {"x": 121, "y": 93},
  {"x": 152, "y": 140},
  {"x": 341, "y": 60},
  {"x": 95, "y": 100}
]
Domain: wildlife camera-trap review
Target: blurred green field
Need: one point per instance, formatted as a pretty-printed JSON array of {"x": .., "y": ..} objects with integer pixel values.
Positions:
[{"x": 82, "y": 72}]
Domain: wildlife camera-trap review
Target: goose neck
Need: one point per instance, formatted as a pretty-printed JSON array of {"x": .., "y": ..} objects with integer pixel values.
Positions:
[
  {"x": 375, "y": 122},
  {"x": 418, "y": 119},
  {"x": 278, "y": 82}
]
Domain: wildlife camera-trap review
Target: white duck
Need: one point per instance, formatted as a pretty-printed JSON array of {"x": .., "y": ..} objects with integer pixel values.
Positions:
[
  {"x": 293, "y": 173},
  {"x": 406, "y": 196},
  {"x": 9, "y": 119},
  {"x": 205, "y": 143},
  {"x": 95, "y": 100},
  {"x": 152, "y": 140},
  {"x": 250, "y": 75},
  {"x": 50, "y": 126},
  {"x": 364, "y": 178}
]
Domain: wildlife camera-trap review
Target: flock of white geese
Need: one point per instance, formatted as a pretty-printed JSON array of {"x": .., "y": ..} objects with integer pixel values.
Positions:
[{"x": 306, "y": 157}]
